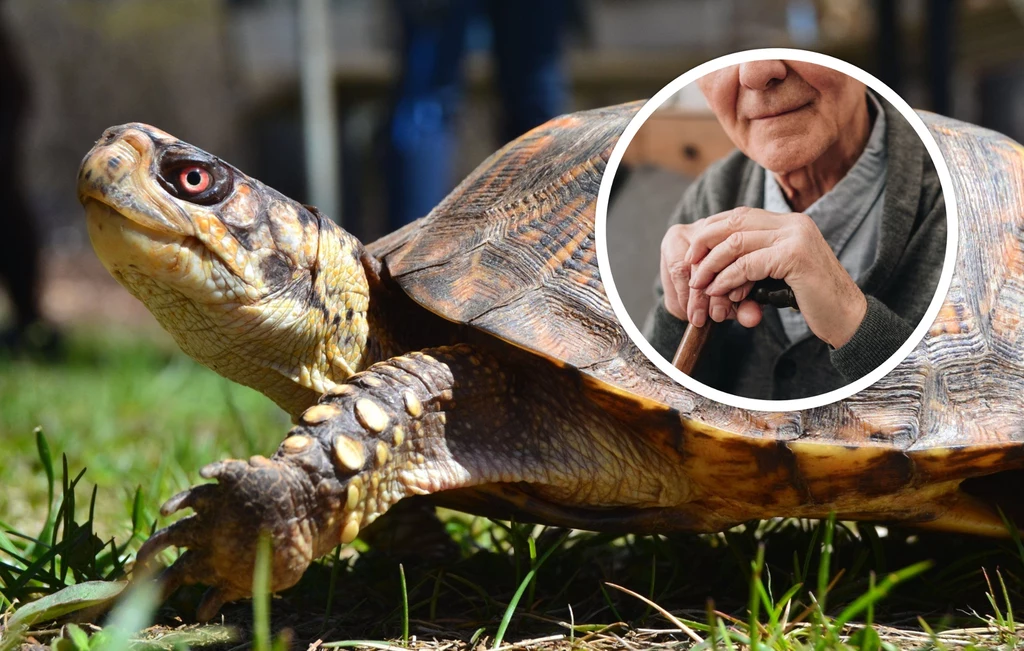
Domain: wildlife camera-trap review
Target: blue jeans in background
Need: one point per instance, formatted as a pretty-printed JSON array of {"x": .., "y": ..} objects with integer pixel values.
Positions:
[{"x": 526, "y": 40}]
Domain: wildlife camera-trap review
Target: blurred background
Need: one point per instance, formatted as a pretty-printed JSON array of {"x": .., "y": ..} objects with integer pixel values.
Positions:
[{"x": 389, "y": 102}]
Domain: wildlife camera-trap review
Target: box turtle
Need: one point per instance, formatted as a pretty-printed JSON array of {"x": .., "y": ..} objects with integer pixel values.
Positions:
[{"x": 473, "y": 356}]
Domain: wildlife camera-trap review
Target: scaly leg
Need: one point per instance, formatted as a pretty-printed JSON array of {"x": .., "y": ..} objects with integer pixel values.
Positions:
[{"x": 446, "y": 418}]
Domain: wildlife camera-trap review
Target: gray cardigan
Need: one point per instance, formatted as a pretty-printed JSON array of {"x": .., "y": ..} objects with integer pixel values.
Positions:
[{"x": 761, "y": 362}]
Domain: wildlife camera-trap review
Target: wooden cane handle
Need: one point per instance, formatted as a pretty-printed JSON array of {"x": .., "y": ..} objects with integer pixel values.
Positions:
[
  {"x": 690, "y": 346},
  {"x": 766, "y": 292}
]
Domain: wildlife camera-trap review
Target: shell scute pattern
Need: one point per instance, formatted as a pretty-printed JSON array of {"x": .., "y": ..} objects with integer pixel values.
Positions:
[
  {"x": 527, "y": 273},
  {"x": 513, "y": 250},
  {"x": 972, "y": 358}
]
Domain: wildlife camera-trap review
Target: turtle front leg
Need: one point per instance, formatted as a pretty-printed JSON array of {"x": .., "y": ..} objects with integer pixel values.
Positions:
[
  {"x": 366, "y": 445},
  {"x": 520, "y": 434}
]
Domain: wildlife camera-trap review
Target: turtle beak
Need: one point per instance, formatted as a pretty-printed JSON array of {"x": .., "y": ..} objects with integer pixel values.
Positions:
[{"x": 120, "y": 172}]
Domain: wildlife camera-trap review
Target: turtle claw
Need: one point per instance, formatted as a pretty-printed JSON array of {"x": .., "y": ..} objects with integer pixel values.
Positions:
[
  {"x": 186, "y": 570},
  {"x": 187, "y": 498},
  {"x": 211, "y": 603},
  {"x": 228, "y": 470},
  {"x": 182, "y": 572},
  {"x": 248, "y": 499},
  {"x": 179, "y": 534}
]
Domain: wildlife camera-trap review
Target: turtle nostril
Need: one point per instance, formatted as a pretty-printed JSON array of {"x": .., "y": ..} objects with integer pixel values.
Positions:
[
  {"x": 138, "y": 140},
  {"x": 111, "y": 134}
]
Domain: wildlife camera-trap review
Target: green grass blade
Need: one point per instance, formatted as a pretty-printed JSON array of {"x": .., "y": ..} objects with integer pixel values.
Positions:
[
  {"x": 137, "y": 516},
  {"x": 436, "y": 593},
  {"x": 709, "y": 609},
  {"x": 780, "y": 606},
  {"x": 825, "y": 562},
  {"x": 332, "y": 584},
  {"x": 1014, "y": 534},
  {"x": 370, "y": 644},
  {"x": 872, "y": 581},
  {"x": 878, "y": 592},
  {"x": 1006, "y": 599},
  {"x": 261, "y": 595},
  {"x": 514, "y": 535},
  {"x": 725, "y": 636},
  {"x": 650, "y": 587},
  {"x": 475, "y": 587},
  {"x": 89, "y": 526},
  {"x": 511, "y": 609},
  {"x": 32, "y": 571},
  {"x": 6, "y": 544},
  {"x": 870, "y": 534},
  {"x": 531, "y": 589},
  {"x": 991, "y": 596},
  {"x": 405, "y": 605},
  {"x": 804, "y": 571},
  {"x": 46, "y": 458},
  {"x": 611, "y": 604},
  {"x": 133, "y": 614},
  {"x": 58, "y": 604},
  {"x": 476, "y": 635},
  {"x": 8, "y": 547},
  {"x": 754, "y": 598}
]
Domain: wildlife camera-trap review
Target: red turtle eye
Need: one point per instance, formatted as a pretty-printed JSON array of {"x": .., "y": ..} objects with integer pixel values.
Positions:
[
  {"x": 194, "y": 180},
  {"x": 197, "y": 178}
]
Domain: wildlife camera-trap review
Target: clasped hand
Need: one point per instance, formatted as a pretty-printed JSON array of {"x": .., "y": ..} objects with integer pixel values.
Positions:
[{"x": 709, "y": 267}]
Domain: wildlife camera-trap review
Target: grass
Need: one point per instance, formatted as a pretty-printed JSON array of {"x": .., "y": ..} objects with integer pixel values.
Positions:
[
  {"x": 136, "y": 413},
  {"x": 127, "y": 423}
]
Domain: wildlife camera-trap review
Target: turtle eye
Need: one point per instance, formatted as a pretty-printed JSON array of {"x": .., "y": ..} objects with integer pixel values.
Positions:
[
  {"x": 199, "y": 182},
  {"x": 194, "y": 180}
]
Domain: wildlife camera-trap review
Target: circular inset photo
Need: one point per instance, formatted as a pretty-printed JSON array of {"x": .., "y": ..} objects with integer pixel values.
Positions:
[{"x": 773, "y": 229}]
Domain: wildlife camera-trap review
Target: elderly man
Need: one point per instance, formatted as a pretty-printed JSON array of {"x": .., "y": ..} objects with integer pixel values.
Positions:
[{"x": 832, "y": 191}]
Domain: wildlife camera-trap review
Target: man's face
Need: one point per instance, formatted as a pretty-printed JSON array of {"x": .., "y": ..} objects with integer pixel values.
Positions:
[{"x": 783, "y": 114}]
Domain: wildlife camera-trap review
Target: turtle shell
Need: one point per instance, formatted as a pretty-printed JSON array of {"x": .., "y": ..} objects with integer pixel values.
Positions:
[{"x": 511, "y": 252}]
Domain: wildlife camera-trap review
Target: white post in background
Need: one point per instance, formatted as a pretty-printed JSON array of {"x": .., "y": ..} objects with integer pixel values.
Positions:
[{"x": 319, "y": 114}]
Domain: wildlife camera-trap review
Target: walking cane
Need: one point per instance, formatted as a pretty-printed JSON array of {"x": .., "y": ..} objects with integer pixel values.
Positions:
[{"x": 766, "y": 292}]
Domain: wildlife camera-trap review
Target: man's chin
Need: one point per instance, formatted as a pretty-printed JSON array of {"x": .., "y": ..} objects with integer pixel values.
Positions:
[{"x": 786, "y": 153}]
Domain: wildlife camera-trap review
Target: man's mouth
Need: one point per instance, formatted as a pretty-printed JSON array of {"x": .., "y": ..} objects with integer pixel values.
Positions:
[{"x": 776, "y": 113}]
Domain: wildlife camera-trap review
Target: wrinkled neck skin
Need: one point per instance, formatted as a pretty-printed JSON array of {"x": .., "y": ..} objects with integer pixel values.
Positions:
[
  {"x": 306, "y": 338},
  {"x": 292, "y": 345},
  {"x": 805, "y": 185}
]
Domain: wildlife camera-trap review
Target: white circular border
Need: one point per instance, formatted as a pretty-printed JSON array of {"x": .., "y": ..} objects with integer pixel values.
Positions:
[{"x": 945, "y": 180}]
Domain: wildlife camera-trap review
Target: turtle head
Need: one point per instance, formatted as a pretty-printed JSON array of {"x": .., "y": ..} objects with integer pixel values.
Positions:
[{"x": 262, "y": 289}]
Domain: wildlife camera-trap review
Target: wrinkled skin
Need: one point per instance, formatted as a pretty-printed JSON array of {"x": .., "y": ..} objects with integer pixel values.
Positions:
[
  {"x": 222, "y": 547},
  {"x": 229, "y": 269}
]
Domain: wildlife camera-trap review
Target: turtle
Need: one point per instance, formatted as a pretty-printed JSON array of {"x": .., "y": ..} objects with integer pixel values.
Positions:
[{"x": 472, "y": 359}]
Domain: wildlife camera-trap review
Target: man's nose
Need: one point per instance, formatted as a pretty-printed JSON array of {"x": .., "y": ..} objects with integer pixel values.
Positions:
[{"x": 762, "y": 75}]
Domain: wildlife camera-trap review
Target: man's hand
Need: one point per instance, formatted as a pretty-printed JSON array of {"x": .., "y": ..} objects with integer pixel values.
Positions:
[
  {"x": 709, "y": 267},
  {"x": 689, "y": 304}
]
